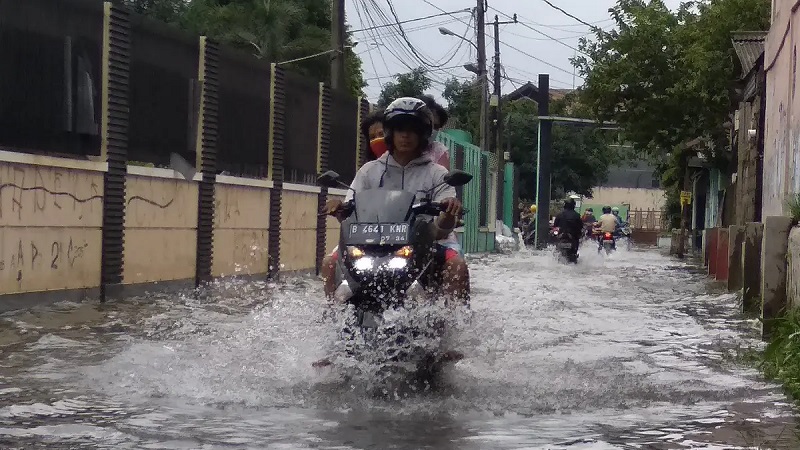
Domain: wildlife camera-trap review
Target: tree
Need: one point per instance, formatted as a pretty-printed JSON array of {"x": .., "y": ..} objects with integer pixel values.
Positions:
[
  {"x": 463, "y": 104},
  {"x": 168, "y": 11},
  {"x": 274, "y": 30},
  {"x": 410, "y": 84},
  {"x": 580, "y": 158},
  {"x": 664, "y": 76}
]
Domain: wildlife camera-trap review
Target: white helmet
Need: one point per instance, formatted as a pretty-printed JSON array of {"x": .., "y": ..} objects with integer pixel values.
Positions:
[
  {"x": 615, "y": 209},
  {"x": 405, "y": 108}
]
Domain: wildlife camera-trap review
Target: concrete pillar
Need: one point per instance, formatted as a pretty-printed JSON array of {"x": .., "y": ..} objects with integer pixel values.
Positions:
[
  {"x": 751, "y": 267},
  {"x": 735, "y": 265},
  {"x": 711, "y": 250},
  {"x": 723, "y": 255},
  {"x": 703, "y": 245},
  {"x": 774, "y": 249}
]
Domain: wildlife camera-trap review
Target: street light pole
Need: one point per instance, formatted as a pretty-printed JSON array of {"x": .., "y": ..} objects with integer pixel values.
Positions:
[
  {"x": 496, "y": 117},
  {"x": 482, "y": 74},
  {"x": 337, "y": 44}
]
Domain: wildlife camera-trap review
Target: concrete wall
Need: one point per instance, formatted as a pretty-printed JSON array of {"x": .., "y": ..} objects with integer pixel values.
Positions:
[
  {"x": 299, "y": 205},
  {"x": 160, "y": 226},
  {"x": 782, "y": 134},
  {"x": 793, "y": 269},
  {"x": 747, "y": 164},
  {"x": 332, "y": 227},
  {"x": 51, "y": 216},
  {"x": 638, "y": 198},
  {"x": 241, "y": 223}
]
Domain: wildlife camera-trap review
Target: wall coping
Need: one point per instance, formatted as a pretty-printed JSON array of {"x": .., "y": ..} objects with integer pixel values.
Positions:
[
  {"x": 53, "y": 161},
  {"x": 157, "y": 172},
  {"x": 242, "y": 181},
  {"x": 302, "y": 188},
  {"x": 337, "y": 191}
]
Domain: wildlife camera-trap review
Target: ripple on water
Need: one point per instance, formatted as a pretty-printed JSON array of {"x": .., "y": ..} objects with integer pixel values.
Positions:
[{"x": 622, "y": 352}]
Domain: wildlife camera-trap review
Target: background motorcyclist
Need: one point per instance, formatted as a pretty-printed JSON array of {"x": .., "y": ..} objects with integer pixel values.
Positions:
[
  {"x": 372, "y": 130},
  {"x": 607, "y": 223},
  {"x": 408, "y": 165},
  {"x": 439, "y": 152},
  {"x": 588, "y": 221},
  {"x": 569, "y": 221},
  {"x": 615, "y": 212}
]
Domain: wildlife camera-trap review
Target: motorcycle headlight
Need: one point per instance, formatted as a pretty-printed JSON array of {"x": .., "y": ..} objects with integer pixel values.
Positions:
[
  {"x": 404, "y": 252},
  {"x": 354, "y": 252}
]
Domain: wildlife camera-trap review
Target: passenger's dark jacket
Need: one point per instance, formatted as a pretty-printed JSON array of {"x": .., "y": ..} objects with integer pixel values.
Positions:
[{"x": 570, "y": 221}]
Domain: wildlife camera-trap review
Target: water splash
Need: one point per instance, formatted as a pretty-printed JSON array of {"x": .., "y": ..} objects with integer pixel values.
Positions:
[{"x": 620, "y": 351}]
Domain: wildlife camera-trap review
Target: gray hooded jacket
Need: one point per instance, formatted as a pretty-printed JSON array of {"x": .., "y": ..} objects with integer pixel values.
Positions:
[{"x": 417, "y": 176}]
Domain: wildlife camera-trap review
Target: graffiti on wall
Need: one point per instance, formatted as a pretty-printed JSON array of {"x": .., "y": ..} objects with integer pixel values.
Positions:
[
  {"x": 226, "y": 205},
  {"x": 46, "y": 191},
  {"x": 29, "y": 257},
  {"x": 51, "y": 219},
  {"x": 159, "y": 202}
]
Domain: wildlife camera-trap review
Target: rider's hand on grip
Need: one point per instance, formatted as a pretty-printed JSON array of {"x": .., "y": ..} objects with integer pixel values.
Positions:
[
  {"x": 451, "y": 207},
  {"x": 332, "y": 206}
]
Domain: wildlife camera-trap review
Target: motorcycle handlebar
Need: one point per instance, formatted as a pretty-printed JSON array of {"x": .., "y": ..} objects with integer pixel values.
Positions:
[
  {"x": 431, "y": 208},
  {"x": 438, "y": 207}
]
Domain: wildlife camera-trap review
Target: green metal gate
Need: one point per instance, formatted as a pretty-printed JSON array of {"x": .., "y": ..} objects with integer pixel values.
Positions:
[{"x": 476, "y": 236}]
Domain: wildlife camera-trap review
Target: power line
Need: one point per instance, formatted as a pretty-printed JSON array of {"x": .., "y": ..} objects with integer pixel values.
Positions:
[
  {"x": 411, "y": 46},
  {"x": 375, "y": 15},
  {"x": 531, "y": 74},
  {"x": 569, "y": 15},
  {"x": 535, "y": 58},
  {"x": 388, "y": 33},
  {"x": 414, "y": 20},
  {"x": 538, "y": 31},
  {"x": 568, "y": 25},
  {"x": 437, "y": 70},
  {"x": 515, "y": 48},
  {"x": 546, "y": 39}
]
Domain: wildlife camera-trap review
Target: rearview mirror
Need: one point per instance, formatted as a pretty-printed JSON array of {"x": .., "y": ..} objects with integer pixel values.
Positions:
[
  {"x": 457, "y": 178},
  {"x": 329, "y": 179}
]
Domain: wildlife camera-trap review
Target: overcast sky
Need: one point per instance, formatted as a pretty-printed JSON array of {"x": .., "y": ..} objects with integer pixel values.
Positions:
[{"x": 548, "y": 36}]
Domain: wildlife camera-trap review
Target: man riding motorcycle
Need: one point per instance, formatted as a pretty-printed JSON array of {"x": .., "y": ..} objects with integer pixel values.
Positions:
[
  {"x": 607, "y": 223},
  {"x": 568, "y": 221},
  {"x": 615, "y": 213},
  {"x": 588, "y": 221},
  {"x": 408, "y": 166}
]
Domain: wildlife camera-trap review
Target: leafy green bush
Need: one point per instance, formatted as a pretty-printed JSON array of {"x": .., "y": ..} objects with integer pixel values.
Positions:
[
  {"x": 794, "y": 207},
  {"x": 781, "y": 359}
]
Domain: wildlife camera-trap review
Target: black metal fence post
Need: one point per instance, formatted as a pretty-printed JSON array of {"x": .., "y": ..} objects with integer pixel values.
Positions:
[
  {"x": 277, "y": 129},
  {"x": 114, "y": 143},
  {"x": 323, "y": 150},
  {"x": 206, "y": 150}
]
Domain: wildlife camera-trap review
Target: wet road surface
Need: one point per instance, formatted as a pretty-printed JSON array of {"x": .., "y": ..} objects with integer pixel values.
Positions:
[{"x": 626, "y": 352}]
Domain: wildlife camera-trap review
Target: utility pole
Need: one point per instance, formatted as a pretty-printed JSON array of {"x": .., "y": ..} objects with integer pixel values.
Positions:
[
  {"x": 543, "y": 164},
  {"x": 496, "y": 117},
  {"x": 337, "y": 44},
  {"x": 482, "y": 75}
]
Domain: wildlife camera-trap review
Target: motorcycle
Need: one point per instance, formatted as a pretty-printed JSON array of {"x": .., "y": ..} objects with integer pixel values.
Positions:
[
  {"x": 624, "y": 234},
  {"x": 386, "y": 264},
  {"x": 566, "y": 247},
  {"x": 606, "y": 241},
  {"x": 528, "y": 229}
]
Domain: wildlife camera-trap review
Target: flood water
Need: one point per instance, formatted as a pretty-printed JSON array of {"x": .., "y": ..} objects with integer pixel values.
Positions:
[{"x": 626, "y": 352}]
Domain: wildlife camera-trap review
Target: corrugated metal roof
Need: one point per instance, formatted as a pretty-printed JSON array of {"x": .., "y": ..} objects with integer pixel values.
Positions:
[{"x": 749, "y": 45}]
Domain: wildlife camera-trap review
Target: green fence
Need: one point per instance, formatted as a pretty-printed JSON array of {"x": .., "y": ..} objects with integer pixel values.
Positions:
[{"x": 478, "y": 196}]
